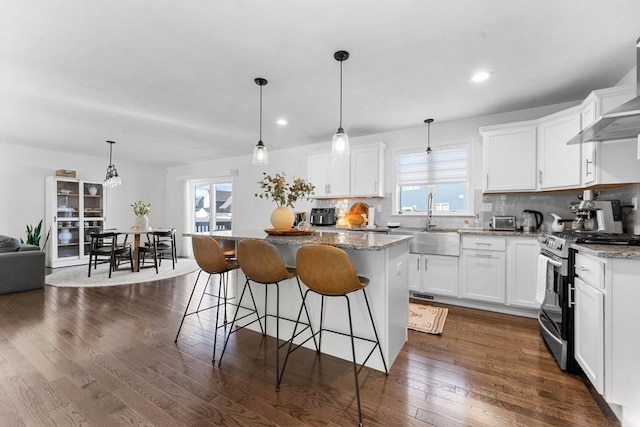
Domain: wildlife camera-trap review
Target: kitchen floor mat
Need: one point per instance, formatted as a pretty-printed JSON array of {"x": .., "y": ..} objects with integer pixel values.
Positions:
[{"x": 426, "y": 318}]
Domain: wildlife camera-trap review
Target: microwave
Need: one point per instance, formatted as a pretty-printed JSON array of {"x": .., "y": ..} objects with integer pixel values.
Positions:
[{"x": 503, "y": 223}]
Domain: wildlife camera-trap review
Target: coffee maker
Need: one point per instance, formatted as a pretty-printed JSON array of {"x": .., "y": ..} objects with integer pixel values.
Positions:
[{"x": 599, "y": 216}]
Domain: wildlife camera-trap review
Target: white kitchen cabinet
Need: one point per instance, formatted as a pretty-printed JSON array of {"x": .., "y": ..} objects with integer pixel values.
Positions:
[
  {"x": 415, "y": 272},
  {"x": 588, "y": 150},
  {"x": 361, "y": 174},
  {"x": 608, "y": 162},
  {"x": 522, "y": 258},
  {"x": 589, "y": 332},
  {"x": 607, "y": 345},
  {"x": 509, "y": 157},
  {"x": 367, "y": 171},
  {"x": 433, "y": 274},
  {"x": 483, "y": 268},
  {"x": 74, "y": 208},
  {"x": 559, "y": 163},
  {"x": 329, "y": 174}
]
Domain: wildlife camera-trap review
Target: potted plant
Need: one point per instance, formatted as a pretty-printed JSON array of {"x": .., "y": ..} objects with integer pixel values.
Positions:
[
  {"x": 284, "y": 195},
  {"x": 141, "y": 210}
]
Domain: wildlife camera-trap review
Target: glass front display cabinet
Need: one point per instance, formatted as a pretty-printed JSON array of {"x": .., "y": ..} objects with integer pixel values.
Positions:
[{"x": 75, "y": 208}]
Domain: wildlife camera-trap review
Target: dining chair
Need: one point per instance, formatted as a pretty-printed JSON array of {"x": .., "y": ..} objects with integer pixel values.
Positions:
[
  {"x": 329, "y": 272},
  {"x": 165, "y": 245},
  {"x": 150, "y": 248},
  {"x": 104, "y": 247}
]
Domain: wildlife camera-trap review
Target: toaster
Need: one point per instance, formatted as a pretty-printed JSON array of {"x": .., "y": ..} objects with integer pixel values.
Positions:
[{"x": 503, "y": 223}]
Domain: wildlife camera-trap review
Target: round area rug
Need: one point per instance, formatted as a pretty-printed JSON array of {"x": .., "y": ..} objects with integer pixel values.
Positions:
[{"x": 77, "y": 276}]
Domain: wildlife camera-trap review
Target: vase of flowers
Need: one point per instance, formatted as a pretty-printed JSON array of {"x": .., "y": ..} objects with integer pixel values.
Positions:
[
  {"x": 284, "y": 195},
  {"x": 141, "y": 210}
]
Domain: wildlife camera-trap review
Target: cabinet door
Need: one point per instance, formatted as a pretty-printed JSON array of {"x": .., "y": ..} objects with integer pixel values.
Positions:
[
  {"x": 319, "y": 173},
  {"x": 589, "y": 332},
  {"x": 366, "y": 167},
  {"x": 559, "y": 162},
  {"x": 440, "y": 275},
  {"x": 339, "y": 183},
  {"x": 522, "y": 258},
  {"x": 509, "y": 159},
  {"x": 415, "y": 272},
  {"x": 483, "y": 275}
]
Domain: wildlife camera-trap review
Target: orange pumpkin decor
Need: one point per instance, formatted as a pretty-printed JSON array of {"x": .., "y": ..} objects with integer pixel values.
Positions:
[{"x": 355, "y": 219}]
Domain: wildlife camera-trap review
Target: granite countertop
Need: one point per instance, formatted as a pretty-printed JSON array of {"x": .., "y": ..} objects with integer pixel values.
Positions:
[
  {"x": 609, "y": 251},
  {"x": 345, "y": 240}
]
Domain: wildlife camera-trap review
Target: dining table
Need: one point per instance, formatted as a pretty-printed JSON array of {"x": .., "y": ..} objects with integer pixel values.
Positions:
[{"x": 136, "y": 233}]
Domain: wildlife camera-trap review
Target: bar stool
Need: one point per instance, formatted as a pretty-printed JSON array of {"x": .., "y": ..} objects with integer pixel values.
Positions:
[
  {"x": 329, "y": 272},
  {"x": 261, "y": 263},
  {"x": 211, "y": 260}
]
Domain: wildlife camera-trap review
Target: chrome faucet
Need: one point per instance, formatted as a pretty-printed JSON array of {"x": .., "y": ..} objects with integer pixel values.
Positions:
[{"x": 429, "y": 224}]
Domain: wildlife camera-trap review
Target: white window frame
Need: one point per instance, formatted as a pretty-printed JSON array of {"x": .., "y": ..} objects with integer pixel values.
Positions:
[
  {"x": 467, "y": 143},
  {"x": 192, "y": 183}
]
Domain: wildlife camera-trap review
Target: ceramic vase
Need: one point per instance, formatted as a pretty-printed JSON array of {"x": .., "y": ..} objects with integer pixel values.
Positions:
[
  {"x": 142, "y": 222},
  {"x": 64, "y": 236},
  {"x": 282, "y": 218}
]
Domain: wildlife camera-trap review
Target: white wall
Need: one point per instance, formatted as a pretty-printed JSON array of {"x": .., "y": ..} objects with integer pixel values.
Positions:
[
  {"x": 23, "y": 171},
  {"x": 22, "y": 187}
]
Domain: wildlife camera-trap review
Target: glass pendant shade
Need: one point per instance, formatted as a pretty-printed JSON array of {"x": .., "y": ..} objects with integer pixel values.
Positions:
[
  {"x": 111, "y": 179},
  {"x": 340, "y": 144},
  {"x": 260, "y": 155}
]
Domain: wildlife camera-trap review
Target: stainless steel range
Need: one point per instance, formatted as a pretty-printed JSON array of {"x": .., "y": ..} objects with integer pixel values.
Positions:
[{"x": 556, "y": 311}]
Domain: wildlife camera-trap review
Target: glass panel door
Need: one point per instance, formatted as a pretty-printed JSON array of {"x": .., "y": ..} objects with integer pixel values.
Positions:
[
  {"x": 212, "y": 205},
  {"x": 67, "y": 213}
]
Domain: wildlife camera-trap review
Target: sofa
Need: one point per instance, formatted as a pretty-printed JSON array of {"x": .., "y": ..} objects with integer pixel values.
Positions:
[{"x": 21, "y": 266}]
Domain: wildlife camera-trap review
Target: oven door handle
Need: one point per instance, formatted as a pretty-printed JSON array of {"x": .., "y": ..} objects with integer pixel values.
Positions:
[{"x": 554, "y": 262}]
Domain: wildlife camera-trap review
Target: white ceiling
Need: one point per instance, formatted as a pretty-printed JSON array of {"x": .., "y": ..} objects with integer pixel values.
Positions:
[{"x": 172, "y": 82}]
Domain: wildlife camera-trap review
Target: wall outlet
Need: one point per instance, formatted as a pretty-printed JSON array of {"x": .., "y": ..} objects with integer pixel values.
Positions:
[
  {"x": 487, "y": 207},
  {"x": 634, "y": 202}
]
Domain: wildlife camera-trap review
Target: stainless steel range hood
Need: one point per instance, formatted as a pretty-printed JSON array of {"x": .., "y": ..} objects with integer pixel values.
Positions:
[{"x": 622, "y": 122}]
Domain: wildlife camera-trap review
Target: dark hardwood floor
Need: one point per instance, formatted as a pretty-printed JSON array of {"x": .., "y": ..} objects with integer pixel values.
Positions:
[{"x": 106, "y": 356}]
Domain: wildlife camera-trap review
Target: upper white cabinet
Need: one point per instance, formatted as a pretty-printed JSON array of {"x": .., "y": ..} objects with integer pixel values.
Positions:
[
  {"x": 535, "y": 156},
  {"x": 559, "y": 163},
  {"x": 359, "y": 175},
  {"x": 329, "y": 174},
  {"x": 367, "y": 171},
  {"x": 509, "y": 157}
]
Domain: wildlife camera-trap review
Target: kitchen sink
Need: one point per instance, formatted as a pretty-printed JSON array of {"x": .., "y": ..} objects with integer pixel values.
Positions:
[{"x": 435, "y": 243}]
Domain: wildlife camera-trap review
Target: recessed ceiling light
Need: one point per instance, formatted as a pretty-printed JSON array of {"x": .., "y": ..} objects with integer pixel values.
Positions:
[
  {"x": 480, "y": 76},
  {"x": 281, "y": 122}
]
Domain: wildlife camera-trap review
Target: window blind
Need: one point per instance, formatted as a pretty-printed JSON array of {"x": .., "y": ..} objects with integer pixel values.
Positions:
[{"x": 445, "y": 166}]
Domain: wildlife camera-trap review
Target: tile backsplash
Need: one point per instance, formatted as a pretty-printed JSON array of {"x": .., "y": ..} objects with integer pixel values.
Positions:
[{"x": 504, "y": 204}]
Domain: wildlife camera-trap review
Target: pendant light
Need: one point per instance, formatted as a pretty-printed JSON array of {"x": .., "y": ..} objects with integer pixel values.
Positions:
[
  {"x": 260, "y": 155},
  {"x": 428, "y": 150},
  {"x": 340, "y": 144},
  {"x": 112, "y": 179}
]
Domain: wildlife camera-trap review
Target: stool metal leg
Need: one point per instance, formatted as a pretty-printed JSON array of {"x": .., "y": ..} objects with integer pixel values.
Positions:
[
  {"x": 355, "y": 365},
  {"x": 375, "y": 332},
  {"x": 195, "y": 285}
]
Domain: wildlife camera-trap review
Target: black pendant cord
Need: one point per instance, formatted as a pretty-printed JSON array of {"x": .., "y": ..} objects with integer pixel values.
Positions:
[
  {"x": 340, "y": 97},
  {"x": 260, "y": 113}
]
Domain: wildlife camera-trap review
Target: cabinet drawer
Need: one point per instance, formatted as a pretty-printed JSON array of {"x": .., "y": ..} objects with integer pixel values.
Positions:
[
  {"x": 591, "y": 270},
  {"x": 484, "y": 243}
]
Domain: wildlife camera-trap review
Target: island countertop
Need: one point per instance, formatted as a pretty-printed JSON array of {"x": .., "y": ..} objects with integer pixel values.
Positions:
[{"x": 361, "y": 241}]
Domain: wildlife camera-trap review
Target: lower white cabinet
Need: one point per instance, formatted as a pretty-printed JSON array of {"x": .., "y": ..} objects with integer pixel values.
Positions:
[
  {"x": 589, "y": 332},
  {"x": 433, "y": 274},
  {"x": 607, "y": 342},
  {"x": 483, "y": 268},
  {"x": 522, "y": 259}
]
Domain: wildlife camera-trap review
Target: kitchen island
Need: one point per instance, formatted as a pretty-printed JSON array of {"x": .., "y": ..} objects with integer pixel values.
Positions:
[{"x": 380, "y": 257}]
